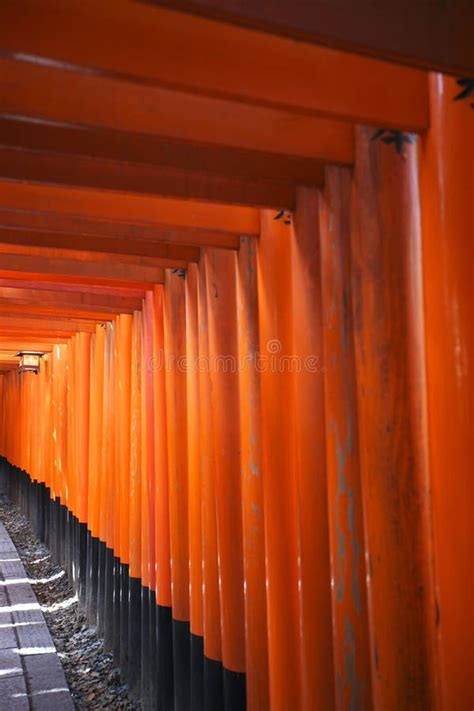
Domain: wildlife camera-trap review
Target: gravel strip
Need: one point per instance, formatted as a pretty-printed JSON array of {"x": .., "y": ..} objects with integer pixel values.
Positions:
[{"x": 93, "y": 680}]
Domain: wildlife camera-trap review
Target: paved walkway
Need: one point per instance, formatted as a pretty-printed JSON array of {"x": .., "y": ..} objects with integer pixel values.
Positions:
[{"x": 31, "y": 675}]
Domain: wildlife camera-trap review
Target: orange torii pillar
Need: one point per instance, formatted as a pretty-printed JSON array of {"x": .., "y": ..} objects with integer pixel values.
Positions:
[
  {"x": 194, "y": 488},
  {"x": 105, "y": 511},
  {"x": 309, "y": 458},
  {"x": 122, "y": 509},
  {"x": 65, "y": 549},
  {"x": 256, "y": 636},
  {"x": 294, "y": 456},
  {"x": 164, "y": 634},
  {"x": 349, "y": 597},
  {"x": 447, "y": 182},
  {"x": 213, "y": 682},
  {"x": 94, "y": 495},
  {"x": 149, "y": 676},
  {"x": 279, "y": 487},
  {"x": 135, "y": 498},
  {"x": 110, "y": 484},
  {"x": 81, "y": 471},
  {"x": 59, "y": 513},
  {"x": 175, "y": 351},
  {"x": 225, "y": 418},
  {"x": 388, "y": 331}
]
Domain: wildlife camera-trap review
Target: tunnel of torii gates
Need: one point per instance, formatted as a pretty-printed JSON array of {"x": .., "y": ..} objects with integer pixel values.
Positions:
[{"x": 243, "y": 237}]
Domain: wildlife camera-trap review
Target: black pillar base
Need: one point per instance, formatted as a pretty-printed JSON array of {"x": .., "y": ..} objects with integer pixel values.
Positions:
[
  {"x": 116, "y": 611},
  {"x": 213, "y": 685},
  {"x": 197, "y": 673},
  {"x": 101, "y": 588},
  {"x": 135, "y": 636},
  {"x": 109, "y": 589},
  {"x": 150, "y": 688},
  {"x": 182, "y": 665},
  {"x": 164, "y": 647},
  {"x": 92, "y": 576}
]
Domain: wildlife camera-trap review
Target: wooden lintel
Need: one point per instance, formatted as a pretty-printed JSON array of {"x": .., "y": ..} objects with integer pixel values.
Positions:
[
  {"x": 432, "y": 35},
  {"x": 165, "y": 255},
  {"x": 58, "y": 95},
  {"x": 240, "y": 63},
  {"x": 145, "y": 212}
]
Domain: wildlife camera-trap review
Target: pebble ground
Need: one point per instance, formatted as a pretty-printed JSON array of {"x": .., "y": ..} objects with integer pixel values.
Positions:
[{"x": 93, "y": 680}]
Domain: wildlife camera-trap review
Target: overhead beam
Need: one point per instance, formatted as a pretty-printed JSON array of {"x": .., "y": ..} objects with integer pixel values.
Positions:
[
  {"x": 122, "y": 232},
  {"x": 82, "y": 256},
  {"x": 126, "y": 290},
  {"x": 148, "y": 150},
  {"x": 146, "y": 213},
  {"x": 32, "y": 332},
  {"x": 9, "y": 308},
  {"x": 19, "y": 322},
  {"x": 227, "y": 61},
  {"x": 42, "y": 267},
  {"x": 62, "y": 96},
  {"x": 165, "y": 255},
  {"x": 432, "y": 35},
  {"x": 8, "y": 343},
  {"x": 76, "y": 282},
  {"x": 98, "y": 174},
  {"x": 54, "y": 299}
]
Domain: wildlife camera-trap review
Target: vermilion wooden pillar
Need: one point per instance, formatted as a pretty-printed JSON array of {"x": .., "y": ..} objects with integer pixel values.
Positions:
[
  {"x": 124, "y": 344},
  {"x": 162, "y": 540},
  {"x": 136, "y": 448},
  {"x": 95, "y": 497},
  {"x": 149, "y": 667},
  {"x": 148, "y": 485},
  {"x": 389, "y": 343},
  {"x": 164, "y": 661},
  {"x": 109, "y": 512},
  {"x": 70, "y": 480},
  {"x": 135, "y": 494},
  {"x": 279, "y": 484},
  {"x": 175, "y": 351},
  {"x": 447, "y": 170},
  {"x": 317, "y": 675},
  {"x": 348, "y": 570},
  {"x": 256, "y": 636},
  {"x": 223, "y": 367},
  {"x": 124, "y": 370},
  {"x": 194, "y": 484},
  {"x": 213, "y": 681},
  {"x": 83, "y": 341}
]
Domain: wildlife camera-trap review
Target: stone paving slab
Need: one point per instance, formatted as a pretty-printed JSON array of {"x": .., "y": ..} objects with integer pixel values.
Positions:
[
  {"x": 13, "y": 570},
  {"x": 31, "y": 675},
  {"x": 13, "y": 695},
  {"x": 7, "y": 637}
]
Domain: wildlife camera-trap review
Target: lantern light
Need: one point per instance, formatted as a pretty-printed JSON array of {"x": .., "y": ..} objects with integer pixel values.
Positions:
[{"x": 29, "y": 361}]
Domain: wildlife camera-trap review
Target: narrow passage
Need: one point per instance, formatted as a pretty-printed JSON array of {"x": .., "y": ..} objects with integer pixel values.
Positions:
[{"x": 31, "y": 675}]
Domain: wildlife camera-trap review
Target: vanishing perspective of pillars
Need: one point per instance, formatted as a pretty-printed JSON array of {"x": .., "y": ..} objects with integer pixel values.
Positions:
[
  {"x": 388, "y": 330},
  {"x": 346, "y": 526},
  {"x": 258, "y": 476},
  {"x": 447, "y": 180}
]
